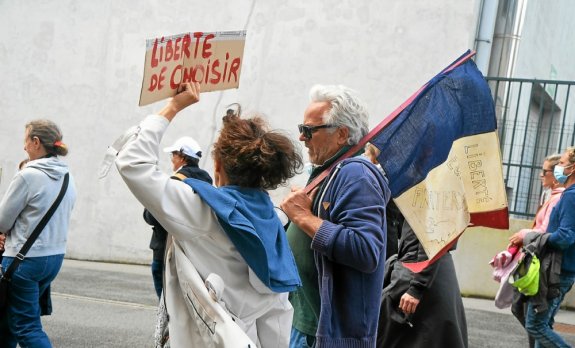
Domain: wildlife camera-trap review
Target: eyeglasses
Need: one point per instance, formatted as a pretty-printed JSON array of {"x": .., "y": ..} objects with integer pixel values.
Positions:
[{"x": 307, "y": 131}]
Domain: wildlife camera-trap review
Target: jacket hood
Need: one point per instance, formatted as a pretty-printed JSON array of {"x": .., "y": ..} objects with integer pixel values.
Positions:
[{"x": 51, "y": 166}]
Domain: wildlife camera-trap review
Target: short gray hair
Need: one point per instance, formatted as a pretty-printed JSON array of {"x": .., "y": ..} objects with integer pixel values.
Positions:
[{"x": 346, "y": 110}]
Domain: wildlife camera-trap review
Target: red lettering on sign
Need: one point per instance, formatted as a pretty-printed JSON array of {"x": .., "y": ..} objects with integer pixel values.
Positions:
[
  {"x": 206, "y": 46},
  {"x": 173, "y": 83},
  {"x": 169, "y": 51},
  {"x": 195, "y": 71},
  {"x": 207, "y": 72},
  {"x": 153, "y": 82},
  {"x": 198, "y": 36},
  {"x": 177, "y": 48},
  {"x": 155, "y": 59},
  {"x": 156, "y": 80},
  {"x": 186, "y": 45},
  {"x": 161, "y": 78},
  {"x": 226, "y": 66},
  {"x": 234, "y": 69},
  {"x": 215, "y": 73},
  {"x": 186, "y": 75}
]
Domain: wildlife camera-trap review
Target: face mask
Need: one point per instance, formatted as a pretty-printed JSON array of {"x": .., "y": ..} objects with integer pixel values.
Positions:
[{"x": 558, "y": 173}]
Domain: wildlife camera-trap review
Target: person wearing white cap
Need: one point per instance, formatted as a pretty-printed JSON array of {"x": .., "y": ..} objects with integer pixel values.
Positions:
[
  {"x": 184, "y": 150},
  {"x": 185, "y": 153}
]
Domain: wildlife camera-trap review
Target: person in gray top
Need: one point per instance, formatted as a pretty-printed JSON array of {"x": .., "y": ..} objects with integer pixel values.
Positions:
[{"x": 28, "y": 198}]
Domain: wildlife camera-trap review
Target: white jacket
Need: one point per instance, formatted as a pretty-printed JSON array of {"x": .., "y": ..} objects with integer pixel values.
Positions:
[{"x": 264, "y": 315}]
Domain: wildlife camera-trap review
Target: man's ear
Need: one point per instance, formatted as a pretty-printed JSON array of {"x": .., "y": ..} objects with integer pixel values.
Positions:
[{"x": 342, "y": 135}]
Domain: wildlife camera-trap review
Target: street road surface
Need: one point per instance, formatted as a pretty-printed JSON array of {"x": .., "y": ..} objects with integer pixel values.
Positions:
[{"x": 113, "y": 305}]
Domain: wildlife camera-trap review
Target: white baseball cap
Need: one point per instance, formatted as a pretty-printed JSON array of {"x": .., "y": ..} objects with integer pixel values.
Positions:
[{"x": 187, "y": 145}]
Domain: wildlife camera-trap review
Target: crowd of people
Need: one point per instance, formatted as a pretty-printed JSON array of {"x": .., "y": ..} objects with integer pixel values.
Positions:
[{"x": 227, "y": 270}]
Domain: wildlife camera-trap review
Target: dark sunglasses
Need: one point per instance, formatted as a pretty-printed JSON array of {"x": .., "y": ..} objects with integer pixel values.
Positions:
[{"x": 307, "y": 131}]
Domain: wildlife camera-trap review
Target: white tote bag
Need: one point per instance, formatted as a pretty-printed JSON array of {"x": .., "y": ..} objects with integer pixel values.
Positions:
[{"x": 215, "y": 324}]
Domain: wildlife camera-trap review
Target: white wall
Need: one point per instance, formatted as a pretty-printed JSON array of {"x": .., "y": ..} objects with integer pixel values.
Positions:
[
  {"x": 546, "y": 47},
  {"x": 80, "y": 64}
]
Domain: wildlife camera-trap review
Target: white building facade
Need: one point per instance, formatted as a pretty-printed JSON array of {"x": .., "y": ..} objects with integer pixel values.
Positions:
[{"x": 81, "y": 63}]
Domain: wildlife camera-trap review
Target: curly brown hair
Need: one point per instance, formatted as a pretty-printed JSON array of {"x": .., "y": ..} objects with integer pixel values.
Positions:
[{"x": 254, "y": 156}]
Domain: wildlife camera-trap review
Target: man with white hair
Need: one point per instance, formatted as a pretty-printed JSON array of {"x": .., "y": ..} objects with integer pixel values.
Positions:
[{"x": 338, "y": 233}]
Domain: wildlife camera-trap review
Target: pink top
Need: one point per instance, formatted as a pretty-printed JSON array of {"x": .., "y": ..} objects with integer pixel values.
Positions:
[
  {"x": 542, "y": 217},
  {"x": 543, "y": 214}
]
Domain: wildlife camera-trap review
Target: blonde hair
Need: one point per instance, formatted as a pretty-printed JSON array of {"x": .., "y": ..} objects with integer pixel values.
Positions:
[
  {"x": 571, "y": 152},
  {"x": 371, "y": 151}
]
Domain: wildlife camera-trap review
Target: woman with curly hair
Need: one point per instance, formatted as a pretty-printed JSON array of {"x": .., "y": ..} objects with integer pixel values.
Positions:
[{"x": 229, "y": 267}]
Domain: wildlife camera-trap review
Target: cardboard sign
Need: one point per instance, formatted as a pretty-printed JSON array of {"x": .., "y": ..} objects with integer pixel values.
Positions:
[
  {"x": 212, "y": 59},
  {"x": 470, "y": 181}
]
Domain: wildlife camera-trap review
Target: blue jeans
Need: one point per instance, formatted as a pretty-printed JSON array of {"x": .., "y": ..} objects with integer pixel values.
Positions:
[
  {"x": 300, "y": 340},
  {"x": 540, "y": 325},
  {"x": 31, "y": 278},
  {"x": 158, "y": 275}
]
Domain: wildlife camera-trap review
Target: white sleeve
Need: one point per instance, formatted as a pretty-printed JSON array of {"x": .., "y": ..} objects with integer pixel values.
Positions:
[{"x": 173, "y": 203}]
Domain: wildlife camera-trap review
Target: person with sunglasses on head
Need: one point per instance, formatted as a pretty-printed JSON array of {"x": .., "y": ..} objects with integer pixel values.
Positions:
[
  {"x": 185, "y": 154},
  {"x": 548, "y": 199},
  {"x": 338, "y": 232},
  {"x": 228, "y": 266},
  {"x": 561, "y": 238}
]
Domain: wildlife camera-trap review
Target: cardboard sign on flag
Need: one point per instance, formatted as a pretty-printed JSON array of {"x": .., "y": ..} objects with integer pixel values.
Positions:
[
  {"x": 212, "y": 59},
  {"x": 468, "y": 183}
]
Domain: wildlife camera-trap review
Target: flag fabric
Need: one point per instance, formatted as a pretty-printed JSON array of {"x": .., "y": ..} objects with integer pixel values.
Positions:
[
  {"x": 441, "y": 155},
  {"x": 440, "y": 152}
]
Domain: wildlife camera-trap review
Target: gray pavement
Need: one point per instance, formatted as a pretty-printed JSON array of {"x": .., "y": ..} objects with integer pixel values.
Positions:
[
  {"x": 489, "y": 326},
  {"x": 113, "y": 305},
  {"x": 102, "y": 305}
]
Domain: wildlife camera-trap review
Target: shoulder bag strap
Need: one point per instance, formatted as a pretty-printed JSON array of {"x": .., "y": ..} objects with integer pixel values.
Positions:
[{"x": 20, "y": 256}]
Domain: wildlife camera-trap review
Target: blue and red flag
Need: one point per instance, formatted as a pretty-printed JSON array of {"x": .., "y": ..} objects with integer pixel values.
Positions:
[{"x": 440, "y": 152}]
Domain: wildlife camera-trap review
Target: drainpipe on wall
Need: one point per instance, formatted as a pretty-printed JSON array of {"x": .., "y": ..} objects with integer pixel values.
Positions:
[
  {"x": 484, "y": 36},
  {"x": 506, "y": 37},
  {"x": 508, "y": 27}
]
